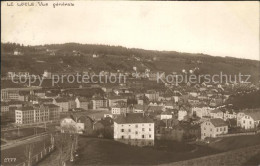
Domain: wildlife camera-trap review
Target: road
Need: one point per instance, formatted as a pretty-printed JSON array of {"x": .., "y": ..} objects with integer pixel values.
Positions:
[{"x": 22, "y": 141}]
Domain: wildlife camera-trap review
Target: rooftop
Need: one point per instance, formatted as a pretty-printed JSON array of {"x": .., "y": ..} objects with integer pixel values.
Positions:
[
  {"x": 129, "y": 118},
  {"x": 217, "y": 122}
]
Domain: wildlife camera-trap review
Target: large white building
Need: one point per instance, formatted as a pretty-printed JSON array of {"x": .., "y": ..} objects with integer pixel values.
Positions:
[
  {"x": 213, "y": 127},
  {"x": 250, "y": 120},
  {"x": 134, "y": 129}
]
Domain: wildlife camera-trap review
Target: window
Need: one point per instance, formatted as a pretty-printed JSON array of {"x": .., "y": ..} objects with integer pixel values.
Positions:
[
  {"x": 129, "y": 136},
  {"x": 142, "y": 129},
  {"x": 150, "y": 129},
  {"x": 122, "y": 137},
  {"x": 217, "y": 129},
  {"x": 150, "y": 136},
  {"x": 136, "y": 126},
  {"x": 142, "y": 136},
  {"x": 136, "y": 132},
  {"x": 129, "y": 130},
  {"x": 122, "y": 130},
  {"x": 204, "y": 128},
  {"x": 224, "y": 129},
  {"x": 220, "y": 129}
]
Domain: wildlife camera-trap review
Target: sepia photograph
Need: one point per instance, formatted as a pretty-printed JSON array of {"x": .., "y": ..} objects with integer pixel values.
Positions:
[{"x": 114, "y": 83}]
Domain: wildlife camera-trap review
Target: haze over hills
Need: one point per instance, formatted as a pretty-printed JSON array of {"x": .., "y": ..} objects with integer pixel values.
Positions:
[{"x": 79, "y": 57}]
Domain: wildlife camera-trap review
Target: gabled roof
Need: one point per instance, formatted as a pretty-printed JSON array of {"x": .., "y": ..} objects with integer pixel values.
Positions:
[
  {"x": 129, "y": 118},
  {"x": 217, "y": 122}
]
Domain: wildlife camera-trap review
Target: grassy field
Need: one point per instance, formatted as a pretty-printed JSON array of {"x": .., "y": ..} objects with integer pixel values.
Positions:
[
  {"x": 230, "y": 143},
  {"x": 25, "y": 132},
  {"x": 108, "y": 152}
]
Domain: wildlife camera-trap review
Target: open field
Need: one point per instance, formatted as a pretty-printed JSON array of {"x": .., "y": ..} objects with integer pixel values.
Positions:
[
  {"x": 109, "y": 152},
  {"x": 248, "y": 156},
  {"x": 100, "y": 151},
  {"x": 230, "y": 143}
]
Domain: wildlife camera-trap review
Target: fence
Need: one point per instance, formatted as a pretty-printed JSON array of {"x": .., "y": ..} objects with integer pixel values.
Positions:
[{"x": 38, "y": 157}]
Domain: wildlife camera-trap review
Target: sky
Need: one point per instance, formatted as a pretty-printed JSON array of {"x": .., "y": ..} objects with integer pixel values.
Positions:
[{"x": 214, "y": 28}]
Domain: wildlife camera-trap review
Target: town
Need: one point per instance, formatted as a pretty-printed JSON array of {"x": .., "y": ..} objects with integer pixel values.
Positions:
[
  {"x": 130, "y": 83},
  {"x": 138, "y": 112}
]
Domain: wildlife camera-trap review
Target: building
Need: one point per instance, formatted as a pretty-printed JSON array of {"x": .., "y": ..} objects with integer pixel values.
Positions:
[
  {"x": 40, "y": 114},
  {"x": 25, "y": 115},
  {"x": 53, "y": 110},
  {"x": 213, "y": 127},
  {"x": 82, "y": 103},
  {"x": 152, "y": 95},
  {"x": 113, "y": 100},
  {"x": 182, "y": 114},
  {"x": 63, "y": 103},
  {"x": 98, "y": 102},
  {"x": 118, "y": 109},
  {"x": 250, "y": 120},
  {"x": 201, "y": 110},
  {"x": 4, "y": 107},
  {"x": 217, "y": 114},
  {"x": 166, "y": 115},
  {"x": 9, "y": 94},
  {"x": 134, "y": 129}
]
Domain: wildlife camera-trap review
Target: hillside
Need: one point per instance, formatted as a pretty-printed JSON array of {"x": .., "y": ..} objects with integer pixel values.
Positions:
[
  {"x": 250, "y": 100},
  {"x": 113, "y": 58}
]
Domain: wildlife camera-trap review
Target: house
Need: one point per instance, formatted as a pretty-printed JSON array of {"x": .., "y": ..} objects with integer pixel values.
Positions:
[
  {"x": 134, "y": 129},
  {"x": 63, "y": 103},
  {"x": 69, "y": 125},
  {"x": 99, "y": 102},
  {"x": 229, "y": 115},
  {"x": 217, "y": 113},
  {"x": 213, "y": 127},
  {"x": 112, "y": 100},
  {"x": 17, "y": 52},
  {"x": 82, "y": 103},
  {"x": 118, "y": 109},
  {"x": 166, "y": 115},
  {"x": 250, "y": 120},
  {"x": 201, "y": 110},
  {"x": 139, "y": 108},
  {"x": 152, "y": 95},
  {"x": 182, "y": 114}
]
